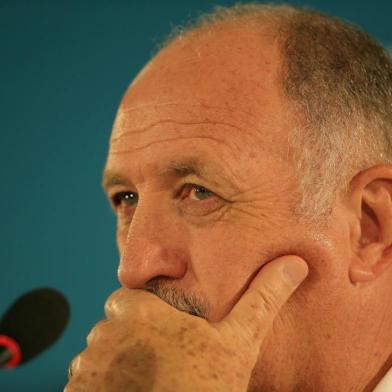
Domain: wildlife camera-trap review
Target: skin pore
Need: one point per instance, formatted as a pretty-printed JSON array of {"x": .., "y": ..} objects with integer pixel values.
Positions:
[{"x": 213, "y": 99}]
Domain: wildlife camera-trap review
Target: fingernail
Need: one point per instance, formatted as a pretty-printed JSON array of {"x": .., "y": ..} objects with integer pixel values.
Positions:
[{"x": 294, "y": 272}]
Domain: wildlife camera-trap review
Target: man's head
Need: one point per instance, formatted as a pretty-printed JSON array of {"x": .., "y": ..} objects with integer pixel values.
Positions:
[{"x": 280, "y": 119}]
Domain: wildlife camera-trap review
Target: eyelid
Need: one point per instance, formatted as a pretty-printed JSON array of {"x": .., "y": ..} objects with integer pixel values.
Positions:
[
  {"x": 194, "y": 186},
  {"x": 115, "y": 198},
  {"x": 203, "y": 208}
]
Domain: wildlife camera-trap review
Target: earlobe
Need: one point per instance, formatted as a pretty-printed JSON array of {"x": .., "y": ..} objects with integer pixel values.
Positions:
[{"x": 372, "y": 230}]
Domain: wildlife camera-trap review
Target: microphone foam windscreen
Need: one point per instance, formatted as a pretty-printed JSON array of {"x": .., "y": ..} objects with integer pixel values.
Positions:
[{"x": 36, "y": 320}]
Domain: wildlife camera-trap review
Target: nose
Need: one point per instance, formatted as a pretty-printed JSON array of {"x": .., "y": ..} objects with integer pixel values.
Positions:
[{"x": 154, "y": 246}]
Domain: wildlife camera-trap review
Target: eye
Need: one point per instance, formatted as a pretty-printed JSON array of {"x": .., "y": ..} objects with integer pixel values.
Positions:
[
  {"x": 124, "y": 198},
  {"x": 198, "y": 201},
  {"x": 200, "y": 193},
  {"x": 192, "y": 200}
]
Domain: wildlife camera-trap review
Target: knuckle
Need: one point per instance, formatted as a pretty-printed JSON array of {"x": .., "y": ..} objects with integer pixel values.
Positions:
[
  {"x": 119, "y": 300},
  {"x": 113, "y": 299},
  {"x": 97, "y": 331},
  {"x": 268, "y": 303},
  {"x": 131, "y": 304},
  {"x": 74, "y": 365}
]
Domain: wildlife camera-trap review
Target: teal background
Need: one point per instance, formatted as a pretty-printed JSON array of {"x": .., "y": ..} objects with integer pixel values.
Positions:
[{"x": 64, "y": 66}]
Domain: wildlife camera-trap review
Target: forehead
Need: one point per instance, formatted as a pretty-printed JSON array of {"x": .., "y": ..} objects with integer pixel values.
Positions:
[
  {"x": 218, "y": 92},
  {"x": 229, "y": 67}
]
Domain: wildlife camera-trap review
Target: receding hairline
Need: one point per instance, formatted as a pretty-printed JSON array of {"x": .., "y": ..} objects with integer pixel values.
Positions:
[
  {"x": 334, "y": 107},
  {"x": 236, "y": 15}
]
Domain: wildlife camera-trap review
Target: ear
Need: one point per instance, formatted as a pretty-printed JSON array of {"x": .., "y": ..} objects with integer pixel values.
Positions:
[{"x": 369, "y": 199}]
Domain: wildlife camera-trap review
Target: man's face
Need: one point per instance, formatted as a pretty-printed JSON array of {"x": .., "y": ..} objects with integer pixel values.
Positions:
[{"x": 197, "y": 241}]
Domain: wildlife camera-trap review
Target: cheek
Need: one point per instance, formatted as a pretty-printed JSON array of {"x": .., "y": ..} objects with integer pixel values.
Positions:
[
  {"x": 323, "y": 299},
  {"x": 224, "y": 260},
  {"x": 328, "y": 257}
]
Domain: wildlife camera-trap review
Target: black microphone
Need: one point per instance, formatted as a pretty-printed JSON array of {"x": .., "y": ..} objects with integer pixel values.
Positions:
[{"x": 31, "y": 324}]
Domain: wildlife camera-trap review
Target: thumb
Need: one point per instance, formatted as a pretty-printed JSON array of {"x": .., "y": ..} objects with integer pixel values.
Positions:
[{"x": 254, "y": 313}]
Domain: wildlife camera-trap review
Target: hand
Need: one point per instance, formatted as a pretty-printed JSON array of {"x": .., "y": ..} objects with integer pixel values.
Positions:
[{"x": 147, "y": 345}]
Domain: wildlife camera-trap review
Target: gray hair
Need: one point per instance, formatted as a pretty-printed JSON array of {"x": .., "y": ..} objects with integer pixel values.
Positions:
[{"x": 338, "y": 84}]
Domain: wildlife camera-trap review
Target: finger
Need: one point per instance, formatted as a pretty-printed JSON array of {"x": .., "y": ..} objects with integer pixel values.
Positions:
[
  {"x": 73, "y": 365},
  {"x": 70, "y": 372},
  {"x": 117, "y": 300},
  {"x": 124, "y": 302},
  {"x": 81, "y": 369},
  {"x": 97, "y": 331},
  {"x": 255, "y": 311}
]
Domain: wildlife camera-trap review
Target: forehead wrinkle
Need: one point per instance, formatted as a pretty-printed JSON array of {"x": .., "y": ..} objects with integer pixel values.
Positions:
[
  {"x": 150, "y": 127},
  {"x": 244, "y": 133},
  {"x": 179, "y": 103},
  {"x": 113, "y": 150},
  {"x": 235, "y": 176},
  {"x": 118, "y": 142},
  {"x": 139, "y": 118}
]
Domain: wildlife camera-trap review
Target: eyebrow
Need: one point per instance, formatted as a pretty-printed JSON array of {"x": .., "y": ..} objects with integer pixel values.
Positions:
[{"x": 180, "y": 169}]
